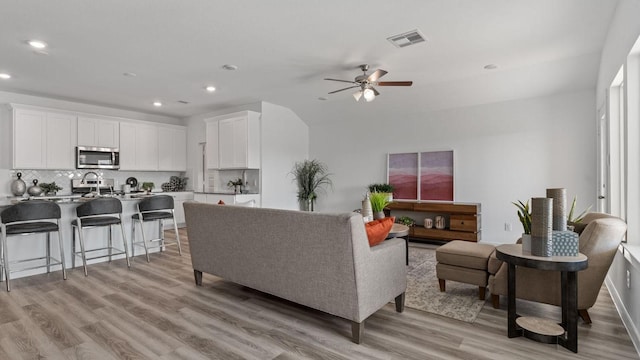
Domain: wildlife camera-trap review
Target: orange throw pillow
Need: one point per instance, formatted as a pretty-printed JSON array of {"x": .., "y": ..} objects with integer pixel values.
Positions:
[
  {"x": 221, "y": 202},
  {"x": 377, "y": 230}
]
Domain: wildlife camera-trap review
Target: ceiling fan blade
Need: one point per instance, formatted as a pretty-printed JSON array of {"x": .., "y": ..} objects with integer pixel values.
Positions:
[
  {"x": 394, "y": 83},
  {"x": 376, "y": 75},
  {"x": 375, "y": 92},
  {"x": 347, "y": 81},
  {"x": 350, "y": 87}
]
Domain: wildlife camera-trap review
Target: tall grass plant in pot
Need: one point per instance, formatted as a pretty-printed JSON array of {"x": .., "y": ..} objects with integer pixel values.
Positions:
[
  {"x": 312, "y": 177},
  {"x": 378, "y": 202}
]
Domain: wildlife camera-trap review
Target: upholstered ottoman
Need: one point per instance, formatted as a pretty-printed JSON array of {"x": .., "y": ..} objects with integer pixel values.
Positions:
[{"x": 464, "y": 262}]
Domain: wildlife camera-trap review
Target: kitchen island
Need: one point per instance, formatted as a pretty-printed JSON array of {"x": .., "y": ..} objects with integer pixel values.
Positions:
[{"x": 33, "y": 245}]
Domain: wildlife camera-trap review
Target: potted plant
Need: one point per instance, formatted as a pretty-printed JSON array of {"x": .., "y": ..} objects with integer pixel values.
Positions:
[
  {"x": 405, "y": 220},
  {"x": 236, "y": 185},
  {"x": 378, "y": 202},
  {"x": 148, "y": 186},
  {"x": 311, "y": 176},
  {"x": 50, "y": 189},
  {"x": 382, "y": 188},
  {"x": 524, "y": 214},
  {"x": 573, "y": 221}
]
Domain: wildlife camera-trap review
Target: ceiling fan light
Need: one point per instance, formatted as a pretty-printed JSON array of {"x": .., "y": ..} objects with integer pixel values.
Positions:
[
  {"x": 369, "y": 95},
  {"x": 357, "y": 95}
]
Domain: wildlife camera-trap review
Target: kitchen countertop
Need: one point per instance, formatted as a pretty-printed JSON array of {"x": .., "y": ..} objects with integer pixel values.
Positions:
[
  {"x": 224, "y": 193},
  {"x": 78, "y": 198}
]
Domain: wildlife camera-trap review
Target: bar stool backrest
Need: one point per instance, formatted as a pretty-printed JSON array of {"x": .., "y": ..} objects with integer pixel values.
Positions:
[
  {"x": 31, "y": 210},
  {"x": 156, "y": 202},
  {"x": 100, "y": 206}
]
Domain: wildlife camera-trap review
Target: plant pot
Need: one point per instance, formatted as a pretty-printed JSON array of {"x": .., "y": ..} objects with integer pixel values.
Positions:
[
  {"x": 526, "y": 243},
  {"x": 378, "y": 215},
  {"x": 306, "y": 204}
]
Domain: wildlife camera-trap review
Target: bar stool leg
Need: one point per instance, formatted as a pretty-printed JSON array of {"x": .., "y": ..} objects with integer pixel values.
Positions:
[
  {"x": 73, "y": 246},
  {"x": 7, "y": 270},
  {"x": 144, "y": 239},
  {"x": 175, "y": 227},
  {"x": 110, "y": 243},
  {"x": 161, "y": 235},
  {"x": 62, "y": 261},
  {"x": 84, "y": 256},
  {"x": 133, "y": 237},
  {"x": 48, "y": 252},
  {"x": 124, "y": 243},
  {"x": 1, "y": 259}
]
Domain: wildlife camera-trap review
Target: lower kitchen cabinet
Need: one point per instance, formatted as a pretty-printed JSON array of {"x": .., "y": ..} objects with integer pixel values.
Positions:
[
  {"x": 178, "y": 210},
  {"x": 228, "y": 199}
]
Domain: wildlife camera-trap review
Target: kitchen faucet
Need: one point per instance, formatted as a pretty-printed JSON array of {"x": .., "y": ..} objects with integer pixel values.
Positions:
[{"x": 82, "y": 181}]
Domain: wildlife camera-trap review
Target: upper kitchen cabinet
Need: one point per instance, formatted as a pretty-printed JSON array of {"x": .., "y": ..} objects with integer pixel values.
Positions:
[
  {"x": 98, "y": 132},
  {"x": 43, "y": 139},
  {"x": 172, "y": 148},
  {"x": 238, "y": 141},
  {"x": 138, "y": 146}
]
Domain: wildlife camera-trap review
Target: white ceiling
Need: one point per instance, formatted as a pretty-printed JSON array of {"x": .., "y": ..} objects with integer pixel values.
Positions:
[{"x": 284, "y": 49}]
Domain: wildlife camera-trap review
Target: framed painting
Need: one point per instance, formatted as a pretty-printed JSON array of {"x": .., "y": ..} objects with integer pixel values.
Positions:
[
  {"x": 436, "y": 175},
  {"x": 402, "y": 174}
]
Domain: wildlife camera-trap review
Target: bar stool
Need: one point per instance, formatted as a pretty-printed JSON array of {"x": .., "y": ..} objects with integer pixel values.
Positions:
[
  {"x": 25, "y": 218},
  {"x": 98, "y": 212},
  {"x": 154, "y": 208}
]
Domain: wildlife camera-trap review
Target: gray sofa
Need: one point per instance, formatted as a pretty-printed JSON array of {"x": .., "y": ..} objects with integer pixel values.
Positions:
[{"x": 319, "y": 260}]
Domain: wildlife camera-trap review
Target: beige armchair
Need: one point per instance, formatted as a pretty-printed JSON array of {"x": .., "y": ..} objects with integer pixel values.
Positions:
[{"x": 599, "y": 241}]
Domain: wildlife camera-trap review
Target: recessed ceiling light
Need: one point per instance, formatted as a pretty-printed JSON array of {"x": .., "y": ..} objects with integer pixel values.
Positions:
[
  {"x": 491, "y": 66},
  {"x": 5, "y": 76},
  {"x": 210, "y": 88},
  {"x": 229, "y": 67},
  {"x": 157, "y": 103},
  {"x": 38, "y": 44}
]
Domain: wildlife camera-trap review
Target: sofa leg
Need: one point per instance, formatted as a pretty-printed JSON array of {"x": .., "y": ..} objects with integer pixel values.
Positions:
[
  {"x": 400, "y": 303},
  {"x": 585, "y": 316},
  {"x": 442, "y": 284},
  {"x": 198, "y": 277},
  {"x": 482, "y": 292},
  {"x": 357, "y": 330},
  {"x": 495, "y": 301}
]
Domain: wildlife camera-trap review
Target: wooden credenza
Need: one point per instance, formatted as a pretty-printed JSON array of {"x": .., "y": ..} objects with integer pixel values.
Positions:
[{"x": 462, "y": 219}]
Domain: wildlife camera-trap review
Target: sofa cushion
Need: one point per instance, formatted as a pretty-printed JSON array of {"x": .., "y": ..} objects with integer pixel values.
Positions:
[{"x": 377, "y": 230}]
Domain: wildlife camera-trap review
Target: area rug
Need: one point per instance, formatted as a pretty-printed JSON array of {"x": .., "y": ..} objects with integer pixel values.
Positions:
[{"x": 460, "y": 301}]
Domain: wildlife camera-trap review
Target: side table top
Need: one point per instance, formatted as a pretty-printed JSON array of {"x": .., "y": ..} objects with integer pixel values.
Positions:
[
  {"x": 398, "y": 230},
  {"x": 512, "y": 254}
]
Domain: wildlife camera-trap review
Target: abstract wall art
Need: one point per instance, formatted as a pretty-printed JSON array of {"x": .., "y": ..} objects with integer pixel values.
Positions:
[{"x": 421, "y": 175}]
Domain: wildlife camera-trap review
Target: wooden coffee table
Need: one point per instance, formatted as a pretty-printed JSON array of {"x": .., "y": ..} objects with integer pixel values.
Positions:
[{"x": 401, "y": 231}]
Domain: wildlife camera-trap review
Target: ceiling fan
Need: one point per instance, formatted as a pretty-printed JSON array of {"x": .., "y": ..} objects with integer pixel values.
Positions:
[{"x": 366, "y": 83}]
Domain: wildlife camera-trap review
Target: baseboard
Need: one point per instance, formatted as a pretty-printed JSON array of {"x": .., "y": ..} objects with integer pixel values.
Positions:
[{"x": 624, "y": 314}]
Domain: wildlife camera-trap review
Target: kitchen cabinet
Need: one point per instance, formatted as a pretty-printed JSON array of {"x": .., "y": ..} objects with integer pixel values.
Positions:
[
  {"x": 138, "y": 146},
  {"x": 43, "y": 140},
  {"x": 178, "y": 210},
  {"x": 238, "y": 141},
  {"x": 229, "y": 199},
  {"x": 172, "y": 149},
  {"x": 98, "y": 132}
]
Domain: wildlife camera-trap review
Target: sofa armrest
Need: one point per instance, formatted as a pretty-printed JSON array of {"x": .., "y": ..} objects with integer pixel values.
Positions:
[
  {"x": 494, "y": 264},
  {"x": 381, "y": 276}
]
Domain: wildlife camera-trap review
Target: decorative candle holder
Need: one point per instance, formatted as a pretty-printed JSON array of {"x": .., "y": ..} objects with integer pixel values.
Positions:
[
  {"x": 559, "y": 197},
  {"x": 541, "y": 226}
]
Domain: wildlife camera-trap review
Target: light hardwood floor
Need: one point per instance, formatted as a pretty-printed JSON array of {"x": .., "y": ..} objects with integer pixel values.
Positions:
[{"x": 154, "y": 311}]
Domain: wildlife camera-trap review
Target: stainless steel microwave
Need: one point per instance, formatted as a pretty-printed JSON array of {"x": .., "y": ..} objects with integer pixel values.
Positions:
[{"x": 97, "y": 158}]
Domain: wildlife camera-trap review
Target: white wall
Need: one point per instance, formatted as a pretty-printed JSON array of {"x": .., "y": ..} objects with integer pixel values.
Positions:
[
  {"x": 623, "y": 32},
  {"x": 503, "y": 152},
  {"x": 285, "y": 140}
]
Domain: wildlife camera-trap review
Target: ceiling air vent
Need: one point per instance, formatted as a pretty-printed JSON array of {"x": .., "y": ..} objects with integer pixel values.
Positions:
[{"x": 406, "y": 39}]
